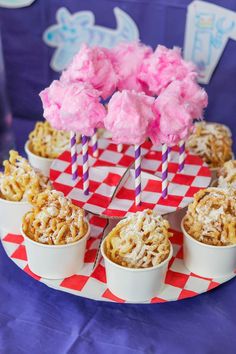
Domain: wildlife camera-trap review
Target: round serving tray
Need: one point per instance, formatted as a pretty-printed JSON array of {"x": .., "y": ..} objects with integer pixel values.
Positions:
[{"x": 91, "y": 283}]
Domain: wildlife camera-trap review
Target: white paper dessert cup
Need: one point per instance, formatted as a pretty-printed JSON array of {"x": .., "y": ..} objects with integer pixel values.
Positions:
[
  {"x": 206, "y": 260},
  {"x": 41, "y": 163},
  {"x": 132, "y": 284},
  {"x": 11, "y": 214},
  {"x": 55, "y": 261}
]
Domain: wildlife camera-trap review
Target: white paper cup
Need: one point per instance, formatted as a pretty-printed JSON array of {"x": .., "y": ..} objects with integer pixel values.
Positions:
[
  {"x": 55, "y": 261},
  {"x": 135, "y": 285},
  {"x": 11, "y": 214},
  {"x": 41, "y": 163},
  {"x": 206, "y": 260}
]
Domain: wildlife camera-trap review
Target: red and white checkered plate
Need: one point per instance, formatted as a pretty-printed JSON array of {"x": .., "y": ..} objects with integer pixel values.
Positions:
[
  {"x": 89, "y": 283},
  {"x": 107, "y": 171}
]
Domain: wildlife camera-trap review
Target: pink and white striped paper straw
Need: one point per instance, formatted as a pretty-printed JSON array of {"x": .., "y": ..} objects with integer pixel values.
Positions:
[
  {"x": 73, "y": 151},
  {"x": 85, "y": 164},
  {"x": 94, "y": 141},
  {"x": 164, "y": 168},
  {"x": 119, "y": 147},
  {"x": 169, "y": 153},
  {"x": 182, "y": 155},
  {"x": 137, "y": 167}
]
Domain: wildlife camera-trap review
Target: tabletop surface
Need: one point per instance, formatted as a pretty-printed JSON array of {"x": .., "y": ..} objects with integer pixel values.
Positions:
[{"x": 36, "y": 319}]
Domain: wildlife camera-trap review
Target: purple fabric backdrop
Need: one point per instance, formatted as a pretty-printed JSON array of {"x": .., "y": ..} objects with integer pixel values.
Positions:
[{"x": 36, "y": 319}]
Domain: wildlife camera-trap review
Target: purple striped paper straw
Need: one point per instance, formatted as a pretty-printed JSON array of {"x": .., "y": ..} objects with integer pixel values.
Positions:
[
  {"x": 94, "y": 140},
  {"x": 181, "y": 155},
  {"x": 73, "y": 151},
  {"x": 137, "y": 167},
  {"x": 85, "y": 164},
  {"x": 164, "y": 168}
]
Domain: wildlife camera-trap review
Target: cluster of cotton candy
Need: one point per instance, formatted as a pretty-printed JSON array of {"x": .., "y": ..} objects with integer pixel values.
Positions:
[
  {"x": 73, "y": 102},
  {"x": 164, "y": 66},
  {"x": 128, "y": 117},
  {"x": 175, "y": 110},
  {"x": 127, "y": 60},
  {"x": 74, "y": 107},
  {"x": 92, "y": 66}
]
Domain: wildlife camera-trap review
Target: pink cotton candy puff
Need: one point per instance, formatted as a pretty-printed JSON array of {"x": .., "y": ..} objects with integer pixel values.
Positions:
[
  {"x": 127, "y": 61},
  {"x": 81, "y": 110},
  {"x": 164, "y": 66},
  {"x": 128, "y": 117},
  {"x": 74, "y": 107},
  {"x": 92, "y": 66},
  {"x": 52, "y": 98},
  {"x": 175, "y": 109},
  {"x": 195, "y": 97}
]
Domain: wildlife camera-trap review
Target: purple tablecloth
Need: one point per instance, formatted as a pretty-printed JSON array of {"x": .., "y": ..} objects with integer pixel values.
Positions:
[{"x": 36, "y": 319}]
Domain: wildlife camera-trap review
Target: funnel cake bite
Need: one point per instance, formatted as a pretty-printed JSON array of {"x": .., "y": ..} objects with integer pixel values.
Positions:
[
  {"x": 47, "y": 142},
  {"x": 19, "y": 181},
  {"x": 227, "y": 175},
  {"x": 212, "y": 142},
  {"x": 140, "y": 241},
  {"x": 211, "y": 218},
  {"x": 54, "y": 220}
]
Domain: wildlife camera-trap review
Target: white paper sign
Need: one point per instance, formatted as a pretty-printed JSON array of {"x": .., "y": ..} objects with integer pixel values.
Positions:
[
  {"x": 15, "y": 3},
  {"x": 208, "y": 28}
]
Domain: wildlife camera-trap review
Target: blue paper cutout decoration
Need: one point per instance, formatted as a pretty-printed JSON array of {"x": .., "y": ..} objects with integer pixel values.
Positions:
[
  {"x": 74, "y": 29},
  {"x": 15, "y": 3}
]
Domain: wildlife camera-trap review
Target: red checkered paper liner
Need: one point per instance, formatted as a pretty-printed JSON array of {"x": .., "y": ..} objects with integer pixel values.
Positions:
[
  {"x": 89, "y": 283},
  {"x": 105, "y": 176}
]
